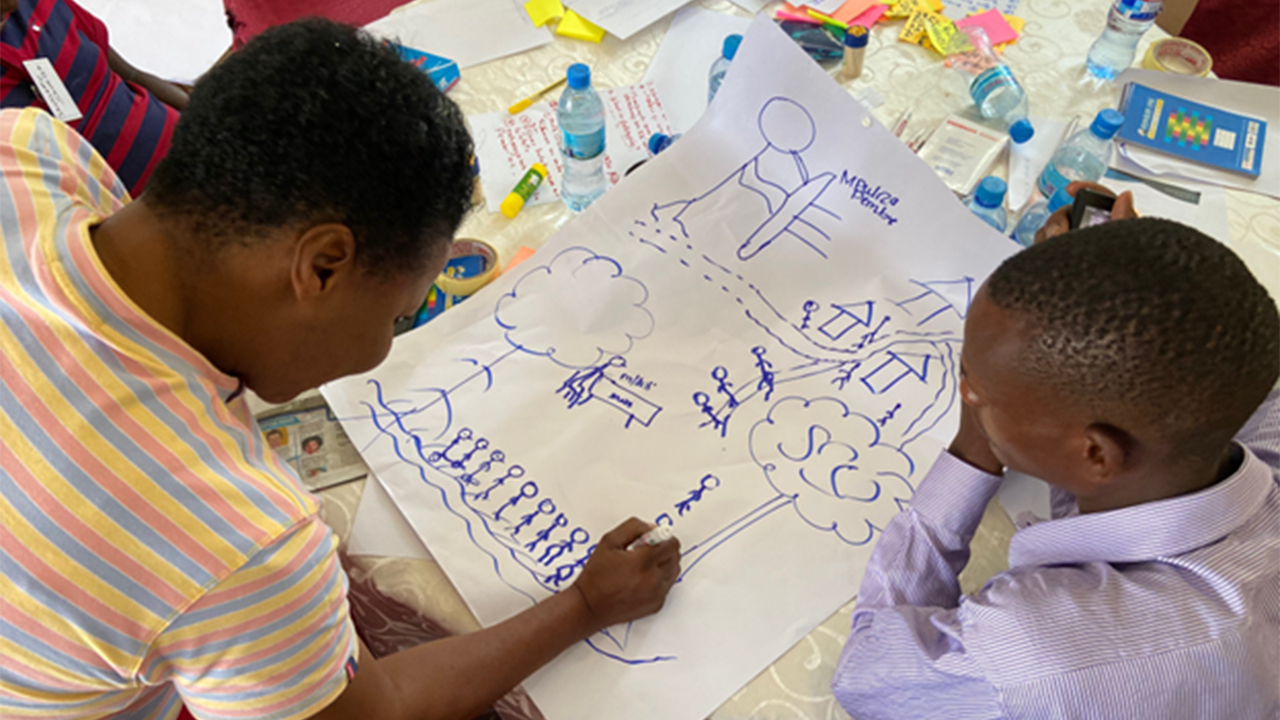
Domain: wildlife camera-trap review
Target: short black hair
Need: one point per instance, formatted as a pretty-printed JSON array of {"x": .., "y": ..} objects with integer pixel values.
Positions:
[
  {"x": 319, "y": 122},
  {"x": 1150, "y": 321}
]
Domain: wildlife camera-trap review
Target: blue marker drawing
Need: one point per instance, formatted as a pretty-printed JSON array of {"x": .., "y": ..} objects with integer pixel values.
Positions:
[
  {"x": 895, "y": 368},
  {"x": 775, "y": 183},
  {"x": 846, "y": 318},
  {"x": 594, "y": 383},
  {"x": 938, "y": 297}
]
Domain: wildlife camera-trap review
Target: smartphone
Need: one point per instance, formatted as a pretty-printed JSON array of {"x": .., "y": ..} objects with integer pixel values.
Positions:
[{"x": 1090, "y": 208}]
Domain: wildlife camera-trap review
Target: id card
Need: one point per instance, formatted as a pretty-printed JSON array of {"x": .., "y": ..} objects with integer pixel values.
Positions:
[{"x": 50, "y": 88}]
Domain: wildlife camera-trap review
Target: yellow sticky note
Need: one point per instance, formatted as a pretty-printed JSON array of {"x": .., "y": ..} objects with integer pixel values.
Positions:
[
  {"x": 905, "y": 8},
  {"x": 543, "y": 11},
  {"x": 575, "y": 26},
  {"x": 916, "y": 28},
  {"x": 945, "y": 37}
]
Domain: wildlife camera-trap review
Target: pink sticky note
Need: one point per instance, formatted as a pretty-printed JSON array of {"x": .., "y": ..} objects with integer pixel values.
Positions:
[
  {"x": 993, "y": 22},
  {"x": 851, "y": 9},
  {"x": 870, "y": 17}
]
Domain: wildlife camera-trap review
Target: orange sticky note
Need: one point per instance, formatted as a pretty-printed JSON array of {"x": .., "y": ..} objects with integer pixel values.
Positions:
[
  {"x": 524, "y": 253},
  {"x": 575, "y": 26},
  {"x": 542, "y": 12},
  {"x": 851, "y": 9}
]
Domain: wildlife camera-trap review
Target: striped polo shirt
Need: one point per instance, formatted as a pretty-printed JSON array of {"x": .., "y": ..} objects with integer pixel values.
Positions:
[
  {"x": 128, "y": 125},
  {"x": 153, "y": 551}
]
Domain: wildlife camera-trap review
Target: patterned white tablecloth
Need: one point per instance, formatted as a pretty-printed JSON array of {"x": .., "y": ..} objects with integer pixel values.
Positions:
[{"x": 1049, "y": 61}]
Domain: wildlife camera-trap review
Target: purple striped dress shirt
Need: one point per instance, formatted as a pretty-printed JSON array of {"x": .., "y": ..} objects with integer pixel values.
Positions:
[{"x": 1167, "y": 610}]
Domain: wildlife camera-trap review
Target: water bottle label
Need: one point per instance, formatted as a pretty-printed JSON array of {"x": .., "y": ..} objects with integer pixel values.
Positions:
[
  {"x": 584, "y": 146},
  {"x": 1140, "y": 10},
  {"x": 990, "y": 81},
  {"x": 1051, "y": 180}
]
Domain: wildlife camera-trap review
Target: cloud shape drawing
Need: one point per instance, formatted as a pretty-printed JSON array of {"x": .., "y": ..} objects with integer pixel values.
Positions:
[
  {"x": 576, "y": 310},
  {"x": 829, "y": 460}
]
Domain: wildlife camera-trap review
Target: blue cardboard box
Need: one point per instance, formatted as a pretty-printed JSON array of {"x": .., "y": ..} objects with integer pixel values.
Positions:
[{"x": 442, "y": 71}]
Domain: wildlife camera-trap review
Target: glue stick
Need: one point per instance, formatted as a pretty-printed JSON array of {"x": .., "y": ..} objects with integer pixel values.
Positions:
[
  {"x": 855, "y": 48},
  {"x": 524, "y": 190}
]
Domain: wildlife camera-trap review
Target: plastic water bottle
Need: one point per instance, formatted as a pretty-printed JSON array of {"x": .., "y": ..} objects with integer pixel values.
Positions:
[
  {"x": 581, "y": 118},
  {"x": 721, "y": 65},
  {"x": 992, "y": 85},
  {"x": 661, "y": 141},
  {"x": 988, "y": 203},
  {"x": 1083, "y": 156},
  {"x": 1036, "y": 216},
  {"x": 1115, "y": 49}
]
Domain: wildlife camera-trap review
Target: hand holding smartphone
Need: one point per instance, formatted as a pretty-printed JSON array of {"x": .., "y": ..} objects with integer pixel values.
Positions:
[{"x": 1090, "y": 208}]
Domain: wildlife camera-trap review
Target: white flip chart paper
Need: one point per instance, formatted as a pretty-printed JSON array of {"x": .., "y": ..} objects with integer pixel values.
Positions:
[
  {"x": 754, "y": 340},
  {"x": 624, "y": 18},
  {"x": 469, "y": 32},
  {"x": 174, "y": 40},
  {"x": 680, "y": 68}
]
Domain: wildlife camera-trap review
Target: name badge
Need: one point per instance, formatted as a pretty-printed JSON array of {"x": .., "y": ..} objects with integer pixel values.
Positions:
[{"x": 50, "y": 88}]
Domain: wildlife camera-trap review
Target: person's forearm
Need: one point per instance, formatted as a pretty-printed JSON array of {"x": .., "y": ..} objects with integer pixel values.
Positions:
[
  {"x": 919, "y": 558},
  {"x": 165, "y": 91},
  {"x": 468, "y": 673}
]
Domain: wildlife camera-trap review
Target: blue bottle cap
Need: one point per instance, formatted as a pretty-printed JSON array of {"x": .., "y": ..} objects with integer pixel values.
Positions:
[
  {"x": 1060, "y": 200},
  {"x": 990, "y": 192},
  {"x": 1107, "y": 123},
  {"x": 856, "y": 37},
  {"x": 579, "y": 76},
  {"x": 658, "y": 142},
  {"x": 1021, "y": 130},
  {"x": 731, "y": 44}
]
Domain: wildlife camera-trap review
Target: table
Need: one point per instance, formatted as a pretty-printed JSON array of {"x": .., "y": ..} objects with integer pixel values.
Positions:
[{"x": 399, "y": 602}]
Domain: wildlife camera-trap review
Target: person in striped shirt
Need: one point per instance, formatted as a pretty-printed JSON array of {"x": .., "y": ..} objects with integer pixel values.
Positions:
[
  {"x": 155, "y": 554},
  {"x": 128, "y": 114},
  {"x": 1132, "y": 366}
]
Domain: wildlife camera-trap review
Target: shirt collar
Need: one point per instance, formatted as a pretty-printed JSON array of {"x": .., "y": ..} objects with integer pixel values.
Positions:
[
  {"x": 115, "y": 309},
  {"x": 1144, "y": 532}
]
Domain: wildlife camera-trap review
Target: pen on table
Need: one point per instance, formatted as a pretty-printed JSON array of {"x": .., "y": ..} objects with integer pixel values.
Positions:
[
  {"x": 901, "y": 123},
  {"x": 525, "y": 103}
]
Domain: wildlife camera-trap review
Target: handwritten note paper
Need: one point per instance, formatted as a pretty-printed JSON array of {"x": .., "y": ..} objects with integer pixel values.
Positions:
[
  {"x": 956, "y": 9},
  {"x": 507, "y": 145}
]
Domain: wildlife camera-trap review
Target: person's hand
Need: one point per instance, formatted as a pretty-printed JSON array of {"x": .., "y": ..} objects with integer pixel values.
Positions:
[
  {"x": 971, "y": 444},
  {"x": 1060, "y": 221},
  {"x": 619, "y": 585}
]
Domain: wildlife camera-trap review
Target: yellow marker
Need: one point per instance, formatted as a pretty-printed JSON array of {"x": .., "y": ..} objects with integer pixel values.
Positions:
[
  {"x": 524, "y": 190},
  {"x": 525, "y": 103},
  {"x": 826, "y": 19}
]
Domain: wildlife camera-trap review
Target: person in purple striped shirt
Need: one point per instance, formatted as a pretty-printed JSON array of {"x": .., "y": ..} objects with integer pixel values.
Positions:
[{"x": 1132, "y": 366}]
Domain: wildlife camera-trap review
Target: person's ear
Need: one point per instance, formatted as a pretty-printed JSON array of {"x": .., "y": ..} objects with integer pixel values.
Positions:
[
  {"x": 1108, "y": 453},
  {"x": 322, "y": 255}
]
